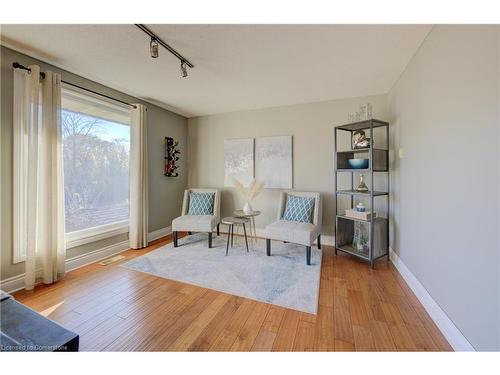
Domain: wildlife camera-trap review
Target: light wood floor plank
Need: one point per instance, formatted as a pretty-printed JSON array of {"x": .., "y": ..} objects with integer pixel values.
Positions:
[
  {"x": 196, "y": 327},
  {"x": 210, "y": 333},
  {"x": 246, "y": 337},
  {"x": 363, "y": 339},
  {"x": 304, "y": 339},
  {"x": 264, "y": 341},
  {"x": 324, "y": 335},
  {"x": 228, "y": 335},
  {"x": 287, "y": 331}
]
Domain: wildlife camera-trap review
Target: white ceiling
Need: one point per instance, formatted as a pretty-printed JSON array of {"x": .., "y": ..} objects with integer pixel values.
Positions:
[{"x": 237, "y": 67}]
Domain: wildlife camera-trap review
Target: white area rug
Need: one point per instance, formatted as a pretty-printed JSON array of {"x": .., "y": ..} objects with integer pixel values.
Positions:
[{"x": 282, "y": 279}]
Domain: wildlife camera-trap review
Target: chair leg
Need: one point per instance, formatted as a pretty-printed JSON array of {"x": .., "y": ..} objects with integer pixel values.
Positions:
[
  {"x": 268, "y": 247},
  {"x": 319, "y": 242},
  {"x": 209, "y": 240},
  {"x": 308, "y": 255},
  {"x": 218, "y": 229},
  {"x": 175, "y": 238}
]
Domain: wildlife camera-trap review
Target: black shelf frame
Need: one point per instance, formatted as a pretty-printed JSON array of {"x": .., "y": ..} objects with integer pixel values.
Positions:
[{"x": 382, "y": 223}]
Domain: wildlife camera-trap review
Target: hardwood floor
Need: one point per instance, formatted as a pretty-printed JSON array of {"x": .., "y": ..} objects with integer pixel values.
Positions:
[{"x": 117, "y": 309}]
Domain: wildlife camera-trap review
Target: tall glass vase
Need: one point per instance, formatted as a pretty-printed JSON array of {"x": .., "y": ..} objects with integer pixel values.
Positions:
[{"x": 360, "y": 239}]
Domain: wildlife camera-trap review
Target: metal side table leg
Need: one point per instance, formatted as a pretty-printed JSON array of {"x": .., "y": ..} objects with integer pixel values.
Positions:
[
  {"x": 232, "y": 234},
  {"x": 245, "y": 232},
  {"x": 228, "y": 236}
]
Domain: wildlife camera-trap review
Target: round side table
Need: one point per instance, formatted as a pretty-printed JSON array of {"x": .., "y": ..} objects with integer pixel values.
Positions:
[
  {"x": 251, "y": 216},
  {"x": 231, "y": 221}
]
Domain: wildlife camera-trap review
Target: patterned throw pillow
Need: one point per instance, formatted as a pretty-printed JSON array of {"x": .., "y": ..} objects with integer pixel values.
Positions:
[
  {"x": 299, "y": 209},
  {"x": 201, "y": 203}
]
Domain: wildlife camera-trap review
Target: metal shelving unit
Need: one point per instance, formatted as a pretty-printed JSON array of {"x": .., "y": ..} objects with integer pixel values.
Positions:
[{"x": 378, "y": 163}]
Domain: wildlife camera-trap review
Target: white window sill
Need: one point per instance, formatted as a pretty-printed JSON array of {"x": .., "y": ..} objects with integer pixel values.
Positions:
[{"x": 85, "y": 236}]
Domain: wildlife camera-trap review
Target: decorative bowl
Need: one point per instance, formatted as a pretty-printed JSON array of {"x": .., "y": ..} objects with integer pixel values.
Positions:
[{"x": 358, "y": 163}]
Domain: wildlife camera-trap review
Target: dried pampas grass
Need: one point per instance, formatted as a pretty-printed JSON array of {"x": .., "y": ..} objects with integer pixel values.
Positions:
[{"x": 249, "y": 192}]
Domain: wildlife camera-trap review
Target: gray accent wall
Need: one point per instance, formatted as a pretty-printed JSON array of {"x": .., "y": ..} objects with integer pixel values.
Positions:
[
  {"x": 311, "y": 126},
  {"x": 445, "y": 119},
  {"x": 165, "y": 194}
]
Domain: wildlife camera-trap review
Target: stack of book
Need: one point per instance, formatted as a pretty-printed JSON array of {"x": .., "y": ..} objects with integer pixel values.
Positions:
[{"x": 367, "y": 215}]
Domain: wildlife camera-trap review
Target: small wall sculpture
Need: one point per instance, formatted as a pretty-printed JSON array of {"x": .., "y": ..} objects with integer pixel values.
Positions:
[{"x": 171, "y": 157}]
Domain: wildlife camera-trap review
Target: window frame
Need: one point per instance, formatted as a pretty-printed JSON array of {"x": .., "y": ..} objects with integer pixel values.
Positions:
[{"x": 101, "y": 232}]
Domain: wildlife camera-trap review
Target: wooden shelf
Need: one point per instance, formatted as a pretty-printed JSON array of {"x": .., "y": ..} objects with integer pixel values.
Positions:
[
  {"x": 363, "y": 125},
  {"x": 380, "y": 162},
  {"x": 368, "y": 193},
  {"x": 359, "y": 170},
  {"x": 360, "y": 220},
  {"x": 360, "y": 150},
  {"x": 348, "y": 248}
]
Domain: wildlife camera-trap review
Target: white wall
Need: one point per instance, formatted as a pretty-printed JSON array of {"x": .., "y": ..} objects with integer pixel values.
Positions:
[
  {"x": 311, "y": 126},
  {"x": 498, "y": 104},
  {"x": 445, "y": 116}
]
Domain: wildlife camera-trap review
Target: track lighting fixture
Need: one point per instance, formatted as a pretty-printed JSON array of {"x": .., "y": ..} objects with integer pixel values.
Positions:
[
  {"x": 157, "y": 41},
  {"x": 153, "y": 48},
  {"x": 184, "y": 72}
]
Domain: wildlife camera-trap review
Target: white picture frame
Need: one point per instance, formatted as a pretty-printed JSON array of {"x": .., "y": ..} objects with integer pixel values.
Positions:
[
  {"x": 274, "y": 161},
  {"x": 238, "y": 161}
]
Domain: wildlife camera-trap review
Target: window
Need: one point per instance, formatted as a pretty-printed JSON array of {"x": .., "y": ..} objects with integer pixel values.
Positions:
[{"x": 96, "y": 144}]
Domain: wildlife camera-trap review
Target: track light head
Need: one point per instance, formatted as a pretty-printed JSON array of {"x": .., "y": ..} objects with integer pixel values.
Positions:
[
  {"x": 184, "y": 72},
  {"x": 153, "y": 48}
]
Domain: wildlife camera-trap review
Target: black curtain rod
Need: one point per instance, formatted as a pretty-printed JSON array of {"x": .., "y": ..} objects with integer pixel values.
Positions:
[{"x": 16, "y": 65}]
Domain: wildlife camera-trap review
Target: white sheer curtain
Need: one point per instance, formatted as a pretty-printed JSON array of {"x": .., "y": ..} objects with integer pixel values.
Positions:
[
  {"x": 38, "y": 176},
  {"x": 138, "y": 221}
]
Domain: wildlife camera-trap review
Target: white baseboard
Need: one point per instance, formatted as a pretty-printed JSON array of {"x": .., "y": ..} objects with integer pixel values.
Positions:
[
  {"x": 15, "y": 283},
  {"x": 159, "y": 233},
  {"x": 12, "y": 284},
  {"x": 456, "y": 339},
  {"x": 96, "y": 255}
]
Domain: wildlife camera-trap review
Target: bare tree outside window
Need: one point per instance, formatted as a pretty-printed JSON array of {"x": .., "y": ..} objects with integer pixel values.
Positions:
[{"x": 96, "y": 171}]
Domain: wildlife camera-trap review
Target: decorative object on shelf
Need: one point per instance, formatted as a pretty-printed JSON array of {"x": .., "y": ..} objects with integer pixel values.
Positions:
[
  {"x": 238, "y": 160},
  {"x": 360, "y": 239},
  {"x": 248, "y": 193},
  {"x": 359, "y": 140},
  {"x": 362, "y": 188},
  {"x": 360, "y": 215},
  {"x": 171, "y": 156},
  {"x": 358, "y": 163},
  {"x": 360, "y": 207},
  {"x": 365, "y": 113},
  {"x": 273, "y": 161}
]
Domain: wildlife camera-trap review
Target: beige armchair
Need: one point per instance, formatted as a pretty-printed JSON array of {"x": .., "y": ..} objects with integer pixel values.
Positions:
[
  {"x": 197, "y": 223},
  {"x": 302, "y": 233}
]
